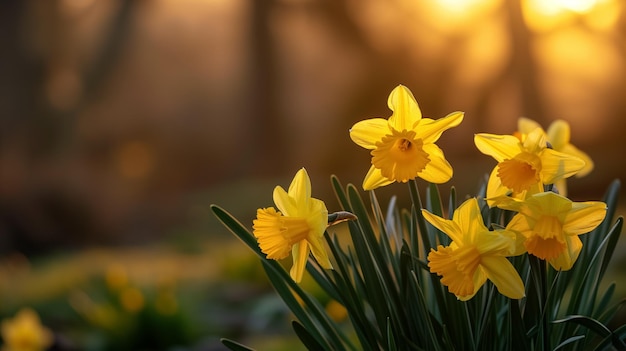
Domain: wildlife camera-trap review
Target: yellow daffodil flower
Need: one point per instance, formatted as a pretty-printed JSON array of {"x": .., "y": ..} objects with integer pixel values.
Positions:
[
  {"x": 24, "y": 332},
  {"x": 403, "y": 147},
  {"x": 298, "y": 227},
  {"x": 474, "y": 255},
  {"x": 525, "y": 165},
  {"x": 549, "y": 225},
  {"x": 558, "y": 136}
]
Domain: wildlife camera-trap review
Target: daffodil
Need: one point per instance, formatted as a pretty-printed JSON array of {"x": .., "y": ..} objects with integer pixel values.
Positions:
[
  {"x": 558, "y": 135},
  {"x": 24, "y": 332},
  {"x": 474, "y": 255},
  {"x": 297, "y": 227},
  {"x": 524, "y": 165},
  {"x": 549, "y": 225},
  {"x": 403, "y": 146}
]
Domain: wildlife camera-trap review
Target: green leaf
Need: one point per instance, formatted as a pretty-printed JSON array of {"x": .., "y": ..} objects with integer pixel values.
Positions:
[
  {"x": 307, "y": 339},
  {"x": 237, "y": 228},
  {"x": 384, "y": 296},
  {"x": 433, "y": 200},
  {"x": 568, "y": 341},
  {"x": 235, "y": 346},
  {"x": 314, "y": 319},
  {"x": 519, "y": 341},
  {"x": 391, "y": 342},
  {"x": 614, "y": 235},
  {"x": 452, "y": 202},
  {"x": 618, "y": 335},
  {"x": 588, "y": 322},
  {"x": 340, "y": 193},
  {"x": 282, "y": 288},
  {"x": 607, "y": 316},
  {"x": 606, "y": 298},
  {"x": 586, "y": 276},
  {"x": 430, "y": 330},
  {"x": 611, "y": 199}
]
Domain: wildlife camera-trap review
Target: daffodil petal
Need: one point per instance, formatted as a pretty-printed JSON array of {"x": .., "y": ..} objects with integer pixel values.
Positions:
[
  {"x": 574, "y": 151},
  {"x": 300, "y": 188},
  {"x": 519, "y": 226},
  {"x": 503, "y": 275},
  {"x": 584, "y": 217},
  {"x": 566, "y": 260},
  {"x": 500, "y": 147},
  {"x": 406, "y": 112},
  {"x": 437, "y": 170},
  {"x": 559, "y": 134},
  {"x": 469, "y": 219},
  {"x": 499, "y": 242},
  {"x": 479, "y": 280},
  {"x": 285, "y": 204},
  {"x": 300, "y": 253},
  {"x": 368, "y": 132},
  {"x": 510, "y": 203},
  {"x": 430, "y": 130},
  {"x": 374, "y": 179},
  {"x": 557, "y": 165},
  {"x": 319, "y": 252},
  {"x": 445, "y": 225},
  {"x": 548, "y": 203},
  {"x": 526, "y": 125},
  {"x": 318, "y": 215},
  {"x": 495, "y": 189},
  {"x": 535, "y": 141}
]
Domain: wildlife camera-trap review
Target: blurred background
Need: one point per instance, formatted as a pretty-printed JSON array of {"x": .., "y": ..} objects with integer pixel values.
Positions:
[{"x": 122, "y": 121}]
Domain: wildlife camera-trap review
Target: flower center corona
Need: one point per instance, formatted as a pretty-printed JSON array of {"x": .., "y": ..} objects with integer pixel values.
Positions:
[
  {"x": 547, "y": 241},
  {"x": 276, "y": 233},
  {"x": 400, "y": 156},
  {"x": 404, "y": 144},
  {"x": 521, "y": 172},
  {"x": 456, "y": 267}
]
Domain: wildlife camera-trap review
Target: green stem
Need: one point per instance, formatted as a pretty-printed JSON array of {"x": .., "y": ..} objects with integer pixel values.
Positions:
[
  {"x": 485, "y": 314},
  {"x": 544, "y": 304},
  {"x": 539, "y": 272}
]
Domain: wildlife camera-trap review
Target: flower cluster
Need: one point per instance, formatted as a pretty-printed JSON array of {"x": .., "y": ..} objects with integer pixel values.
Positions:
[
  {"x": 532, "y": 165},
  {"x": 546, "y": 225},
  {"x": 501, "y": 253}
]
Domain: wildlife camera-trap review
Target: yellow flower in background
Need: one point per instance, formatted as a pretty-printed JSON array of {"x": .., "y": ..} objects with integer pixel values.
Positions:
[
  {"x": 131, "y": 299},
  {"x": 549, "y": 225},
  {"x": 25, "y": 333},
  {"x": 403, "y": 146},
  {"x": 525, "y": 165},
  {"x": 558, "y": 136},
  {"x": 336, "y": 311},
  {"x": 474, "y": 255},
  {"x": 298, "y": 227}
]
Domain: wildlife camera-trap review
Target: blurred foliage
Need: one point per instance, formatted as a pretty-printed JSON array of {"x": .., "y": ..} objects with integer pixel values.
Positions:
[{"x": 146, "y": 298}]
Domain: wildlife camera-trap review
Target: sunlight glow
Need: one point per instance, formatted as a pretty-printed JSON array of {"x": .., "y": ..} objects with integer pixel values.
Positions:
[
  {"x": 454, "y": 16},
  {"x": 459, "y": 5},
  {"x": 556, "y": 7},
  {"x": 463, "y": 7},
  {"x": 580, "y": 6},
  {"x": 544, "y": 15}
]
